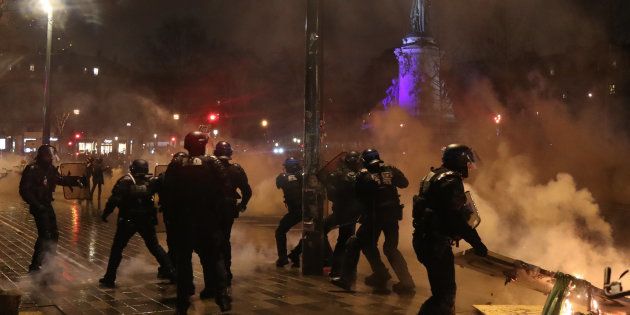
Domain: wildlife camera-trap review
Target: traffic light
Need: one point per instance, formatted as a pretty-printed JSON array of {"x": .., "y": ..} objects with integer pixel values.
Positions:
[{"x": 213, "y": 117}]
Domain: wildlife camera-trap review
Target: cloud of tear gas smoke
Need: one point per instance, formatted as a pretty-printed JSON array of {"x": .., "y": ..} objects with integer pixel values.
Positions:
[
  {"x": 531, "y": 210},
  {"x": 10, "y": 167}
]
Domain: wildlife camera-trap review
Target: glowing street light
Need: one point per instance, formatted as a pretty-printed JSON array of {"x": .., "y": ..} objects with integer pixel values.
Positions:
[
  {"x": 215, "y": 132},
  {"x": 590, "y": 94},
  {"x": 497, "y": 119},
  {"x": 264, "y": 123},
  {"x": 128, "y": 124},
  {"x": 46, "y": 6},
  {"x": 116, "y": 138},
  {"x": 155, "y": 136},
  {"x": 76, "y": 111},
  {"x": 175, "y": 116}
]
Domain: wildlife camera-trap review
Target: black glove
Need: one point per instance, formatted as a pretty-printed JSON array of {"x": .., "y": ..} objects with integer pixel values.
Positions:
[
  {"x": 104, "y": 217},
  {"x": 480, "y": 249},
  {"x": 241, "y": 207}
]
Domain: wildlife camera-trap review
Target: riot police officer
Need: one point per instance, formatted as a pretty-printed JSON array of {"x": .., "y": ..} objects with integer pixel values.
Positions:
[
  {"x": 38, "y": 182},
  {"x": 232, "y": 207},
  {"x": 291, "y": 184},
  {"x": 196, "y": 186},
  {"x": 440, "y": 219},
  {"x": 340, "y": 188},
  {"x": 167, "y": 212},
  {"x": 133, "y": 196},
  {"x": 98, "y": 169},
  {"x": 377, "y": 189}
]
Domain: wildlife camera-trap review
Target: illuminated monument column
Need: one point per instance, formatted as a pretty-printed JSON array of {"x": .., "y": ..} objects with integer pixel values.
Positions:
[{"x": 419, "y": 89}]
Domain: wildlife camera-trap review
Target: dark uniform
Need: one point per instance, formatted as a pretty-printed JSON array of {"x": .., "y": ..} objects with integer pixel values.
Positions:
[
  {"x": 38, "y": 182},
  {"x": 196, "y": 186},
  {"x": 291, "y": 184},
  {"x": 133, "y": 196},
  {"x": 98, "y": 169},
  {"x": 377, "y": 189},
  {"x": 340, "y": 188},
  {"x": 238, "y": 181},
  {"x": 167, "y": 212},
  {"x": 440, "y": 220}
]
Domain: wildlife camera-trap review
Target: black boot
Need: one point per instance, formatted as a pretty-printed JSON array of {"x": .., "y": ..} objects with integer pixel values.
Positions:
[
  {"x": 107, "y": 282},
  {"x": 224, "y": 300},
  {"x": 342, "y": 283},
  {"x": 282, "y": 261},
  {"x": 404, "y": 289},
  {"x": 295, "y": 260},
  {"x": 378, "y": 282}
]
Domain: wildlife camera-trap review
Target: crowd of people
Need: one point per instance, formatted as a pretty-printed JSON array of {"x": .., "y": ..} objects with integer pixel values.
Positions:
[{"x": 200, "y": 195}]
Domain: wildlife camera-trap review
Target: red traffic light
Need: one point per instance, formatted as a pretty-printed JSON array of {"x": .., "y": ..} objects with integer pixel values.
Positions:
[{"x": 213, "y": 117}]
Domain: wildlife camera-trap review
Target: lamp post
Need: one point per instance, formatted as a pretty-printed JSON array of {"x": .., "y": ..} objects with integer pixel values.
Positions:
[
  {"x": 312, "y": 191},
  {"x": 47, "y": 74}
]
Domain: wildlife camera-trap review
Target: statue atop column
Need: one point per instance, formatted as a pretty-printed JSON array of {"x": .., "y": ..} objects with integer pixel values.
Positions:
[{"x": 419, "y": 17}]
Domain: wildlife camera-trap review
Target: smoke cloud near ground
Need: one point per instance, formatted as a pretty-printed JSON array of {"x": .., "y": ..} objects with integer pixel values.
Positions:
[{"x": 534, "y": 184}]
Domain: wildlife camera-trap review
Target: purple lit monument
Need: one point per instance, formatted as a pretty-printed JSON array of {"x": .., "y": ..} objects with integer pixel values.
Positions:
[{"x": 419, "y": 89}]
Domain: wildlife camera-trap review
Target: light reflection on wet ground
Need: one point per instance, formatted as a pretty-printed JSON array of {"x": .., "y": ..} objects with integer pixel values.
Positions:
[{"x": 259, "y": 287}]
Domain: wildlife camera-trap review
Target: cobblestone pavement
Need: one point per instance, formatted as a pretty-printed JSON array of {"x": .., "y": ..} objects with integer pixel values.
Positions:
[{"x": 259, "y": 287}]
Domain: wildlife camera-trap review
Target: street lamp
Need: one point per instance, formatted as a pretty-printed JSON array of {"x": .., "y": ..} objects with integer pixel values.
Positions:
[
  {"x": 47, "y": 7},
  {"x": 264, "y": 123},
  {"x": 76, "y": 111}
]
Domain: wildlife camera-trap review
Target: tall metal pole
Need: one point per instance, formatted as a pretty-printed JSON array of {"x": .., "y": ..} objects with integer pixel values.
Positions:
[
  {"x": 312, "y": 193},
  {"x": 47, "y": 81}
]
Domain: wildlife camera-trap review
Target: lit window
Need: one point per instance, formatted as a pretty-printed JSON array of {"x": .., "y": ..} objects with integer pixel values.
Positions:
[
  {"x": 31, "y": 67},
  {"x": 95, "y": 71}
]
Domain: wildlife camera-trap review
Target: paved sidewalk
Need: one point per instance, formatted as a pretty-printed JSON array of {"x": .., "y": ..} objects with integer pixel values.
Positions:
[{"x": 259, "y": 287}]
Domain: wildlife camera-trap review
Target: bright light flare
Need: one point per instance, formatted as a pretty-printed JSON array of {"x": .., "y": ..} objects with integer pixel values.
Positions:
[
  {"x": 155, "y": 136},
  {"x": 497, "y": 119},
  {"x": 213, "y": 117},
  {"x": 264, "y": 123},
  {"x": 77, "y": 136},
  {"x": 567, "y": 308},
  {"x": 590, "y": 94},
  {"x": 46, "y": 6}
]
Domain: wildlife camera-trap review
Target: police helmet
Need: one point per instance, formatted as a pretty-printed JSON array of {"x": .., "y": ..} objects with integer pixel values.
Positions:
[
  {"x": 46, "y": 153},
  {"x": 196, "y": 142},
  {"x": 223, "y": 150},
  {"x": 456, "y": 157},
  {"x": 370, "y": 157},
  {"x": 139, "y": 167},
  {"x": 352, "y": 158},
  {"x": 292, "y": 165}
]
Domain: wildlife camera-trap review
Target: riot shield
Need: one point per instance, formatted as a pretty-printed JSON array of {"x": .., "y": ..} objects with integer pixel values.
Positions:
[
  {"x": 330, "y": 166},
  {"x": 160, "y": 169},
  {"x": 75, "y": 170}
]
